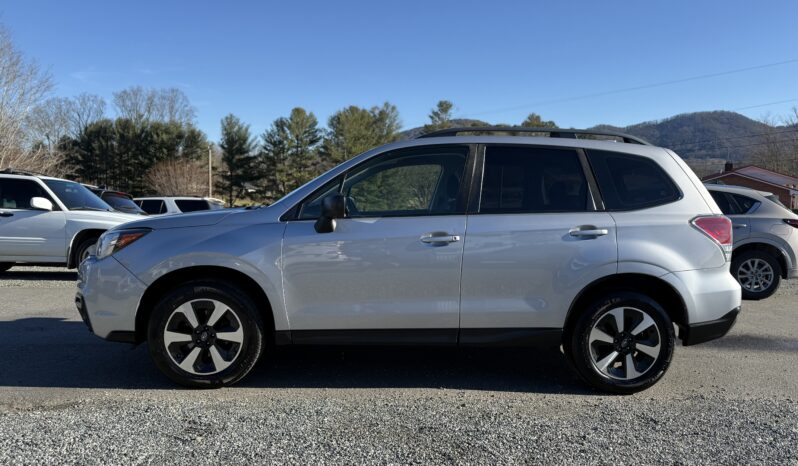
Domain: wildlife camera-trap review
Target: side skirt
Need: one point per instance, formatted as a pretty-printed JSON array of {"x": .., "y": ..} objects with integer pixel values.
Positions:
[{"x": 497, "y": 337}]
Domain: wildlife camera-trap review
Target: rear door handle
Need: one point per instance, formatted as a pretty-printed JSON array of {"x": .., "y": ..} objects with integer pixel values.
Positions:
[
  {"x": 433, "y": 238},
  {"x": 588, "y": 233},
  {"x": 740, "y": 225},
  {"x": 6, "y": 214}
]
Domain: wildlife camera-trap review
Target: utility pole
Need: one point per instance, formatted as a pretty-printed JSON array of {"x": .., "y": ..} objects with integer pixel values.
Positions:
[{"x": 210, "y": 170}]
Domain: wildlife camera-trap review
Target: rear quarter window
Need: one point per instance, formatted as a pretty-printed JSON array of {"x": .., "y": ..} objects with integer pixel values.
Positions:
[
  {"x": 191, "y": 205},
  {"x": 631, "y": 182}
]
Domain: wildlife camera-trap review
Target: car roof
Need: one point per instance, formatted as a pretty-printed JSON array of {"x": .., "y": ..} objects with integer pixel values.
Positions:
[{"x": 736, "y": 189}]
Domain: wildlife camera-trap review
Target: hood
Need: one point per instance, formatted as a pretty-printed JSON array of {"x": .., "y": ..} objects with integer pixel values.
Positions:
[
  {"x": 193, "y": 219},
  {"x": 103, "y": 216}
]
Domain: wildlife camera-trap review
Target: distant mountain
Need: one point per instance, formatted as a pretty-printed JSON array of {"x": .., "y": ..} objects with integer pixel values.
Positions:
[{"x": 701, "y": 135}]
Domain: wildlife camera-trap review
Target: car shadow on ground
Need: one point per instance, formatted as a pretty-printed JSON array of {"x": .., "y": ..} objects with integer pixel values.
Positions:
[
  {"x": 35, "y": 276},
  {"x": 52, "y": 352}
]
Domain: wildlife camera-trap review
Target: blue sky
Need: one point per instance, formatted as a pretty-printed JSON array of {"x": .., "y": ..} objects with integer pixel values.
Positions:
[{"x": 495, "y": 60}]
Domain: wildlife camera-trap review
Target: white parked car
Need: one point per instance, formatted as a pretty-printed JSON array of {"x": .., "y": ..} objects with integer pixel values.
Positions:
[
  {"x": 46, "y": 220},
  {"x": 177, "y": 205}
]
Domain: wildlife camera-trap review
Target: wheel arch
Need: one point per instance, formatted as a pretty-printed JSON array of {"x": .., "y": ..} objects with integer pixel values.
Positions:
[
  {"x": 766, "y": 247},
  {"x": 656, "y": 288},
  {"x": 219, "y": 273},
  {"x": 72, "y": 253}
]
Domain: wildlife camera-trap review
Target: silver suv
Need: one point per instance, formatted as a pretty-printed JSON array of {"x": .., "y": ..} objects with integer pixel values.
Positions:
[
  {"x": 450, "y": 239},
  {"x": 45, "y": 220},
  {"x": 765, "y": 238}
]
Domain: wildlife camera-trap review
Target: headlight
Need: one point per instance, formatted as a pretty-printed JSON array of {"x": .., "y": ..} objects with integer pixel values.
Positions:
[{"x": 112, "y": 241}]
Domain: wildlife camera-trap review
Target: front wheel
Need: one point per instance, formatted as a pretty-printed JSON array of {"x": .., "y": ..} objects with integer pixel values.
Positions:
[
  {"x": 623, "y": 343},
  {"x": 758, "y": 273},
  {"x": 206, "y": 334}
]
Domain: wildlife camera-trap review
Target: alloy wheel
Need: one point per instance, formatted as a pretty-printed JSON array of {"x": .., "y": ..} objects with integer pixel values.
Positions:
[
  {"x": 755, "y": 275},
  {"x": 624, "y": 343},
  {"x": 203, "y": 336}
]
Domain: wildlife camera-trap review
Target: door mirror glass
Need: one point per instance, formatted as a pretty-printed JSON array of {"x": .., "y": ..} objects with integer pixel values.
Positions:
[
  {"x": 332, "y": 207},
  {"x": 40, "y": 203}
]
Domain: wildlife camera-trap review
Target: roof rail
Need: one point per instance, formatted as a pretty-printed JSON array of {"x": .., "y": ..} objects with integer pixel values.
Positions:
[
  {"x": 552, "y": 132},
  {"x": 14, "y": 171}
]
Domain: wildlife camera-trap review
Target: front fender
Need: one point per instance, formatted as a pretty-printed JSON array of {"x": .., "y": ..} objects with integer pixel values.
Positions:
[{"x": 254, "y": 250}]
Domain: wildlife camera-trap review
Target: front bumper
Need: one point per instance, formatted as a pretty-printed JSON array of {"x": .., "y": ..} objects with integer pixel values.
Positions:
[
  {"x": 702, "y": 332},
  {"x": 108, "y": 297}
]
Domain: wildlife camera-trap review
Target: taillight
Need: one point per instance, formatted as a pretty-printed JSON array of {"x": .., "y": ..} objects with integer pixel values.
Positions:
[
  {"x": 719, "y": 229},
  {"x": 791, "y": 222}
]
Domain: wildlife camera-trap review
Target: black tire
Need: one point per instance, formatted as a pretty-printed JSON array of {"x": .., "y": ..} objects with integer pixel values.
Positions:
[
  {"x": 4, "y": 266},
  {"x": 245, "y": 310},
  {"x": 751, "y": 292},
  {"x": 81, "y": 252},
  {"x": 580, "y": 353}
]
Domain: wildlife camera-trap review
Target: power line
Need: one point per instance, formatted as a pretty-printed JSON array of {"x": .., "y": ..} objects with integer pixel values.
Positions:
[
  {"x": 766, "y": 105},
  {"x": 734, "y": 137},
  {"x": 635, "y": 88}
]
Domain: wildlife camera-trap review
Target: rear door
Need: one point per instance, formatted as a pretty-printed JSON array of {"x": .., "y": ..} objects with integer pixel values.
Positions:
[
  {"x": 736, "y": 208},
  {"x": 25, "y": 233},
  {"x": 534, "y": 239}
]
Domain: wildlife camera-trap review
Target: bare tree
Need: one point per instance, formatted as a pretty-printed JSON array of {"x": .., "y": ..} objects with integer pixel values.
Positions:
[
  {"x": 178, "y": 178},
  {"x": 168, "y": 105},
  {"x": 85, "y": 109},
  {"x": 49, "y": 121},
  {"x": 22, "y": 86}
]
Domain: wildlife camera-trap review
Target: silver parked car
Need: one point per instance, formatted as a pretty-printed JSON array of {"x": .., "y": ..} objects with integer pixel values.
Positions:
[
  {"x": 765, "y": 238},
  {"x": 448, "y": 239}
]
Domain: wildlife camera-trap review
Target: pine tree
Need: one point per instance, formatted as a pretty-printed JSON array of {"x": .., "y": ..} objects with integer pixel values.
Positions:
[
  {"x": 237, "y": 147},
  {"x": 440, "y": 117},
  {"x": 354, "y": 130},
  {"x": 533, "y": 120}
]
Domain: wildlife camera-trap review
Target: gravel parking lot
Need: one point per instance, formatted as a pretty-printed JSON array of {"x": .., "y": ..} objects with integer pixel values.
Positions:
[{"x": 68, "y": 397}]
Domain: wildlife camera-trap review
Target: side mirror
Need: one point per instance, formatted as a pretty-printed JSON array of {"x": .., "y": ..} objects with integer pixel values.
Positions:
[
  {"x": 332, "y": 207},
  {"x": 40, "y": 203}
]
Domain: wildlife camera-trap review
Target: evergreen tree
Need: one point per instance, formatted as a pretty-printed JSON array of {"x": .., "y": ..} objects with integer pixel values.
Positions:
[
  {"x": 303, "y": 156},
  {"x": 354, "y": 130},
  {"x": 237, "y": 147},
  {"x": 533, "y": 120},
  {"x": 440, "y": 117}
]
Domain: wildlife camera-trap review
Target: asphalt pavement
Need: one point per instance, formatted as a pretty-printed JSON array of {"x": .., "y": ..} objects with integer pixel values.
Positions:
[{"x": 68, "y": 397}]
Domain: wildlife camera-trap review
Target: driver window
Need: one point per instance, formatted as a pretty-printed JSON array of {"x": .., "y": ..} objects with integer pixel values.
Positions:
[{"x": 408, "y": 183}]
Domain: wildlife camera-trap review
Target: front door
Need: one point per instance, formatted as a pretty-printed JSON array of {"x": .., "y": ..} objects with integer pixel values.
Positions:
[
  {"x": 390, "y": 272},
  {"x": 25, "y": 233}
]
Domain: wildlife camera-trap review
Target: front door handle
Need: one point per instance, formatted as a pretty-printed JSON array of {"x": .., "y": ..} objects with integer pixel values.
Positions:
[
  {"x": 439, "y": 238},
  {"x": 588, "y": 232},
  {"x": 740, "y": 225},
  {"x": 6, "y": 214}
]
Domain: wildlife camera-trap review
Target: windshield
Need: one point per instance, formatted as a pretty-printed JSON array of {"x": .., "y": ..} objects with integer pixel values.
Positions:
[
  {"x": 122, "y": 203},
  {"x": 75, "y": 196}
]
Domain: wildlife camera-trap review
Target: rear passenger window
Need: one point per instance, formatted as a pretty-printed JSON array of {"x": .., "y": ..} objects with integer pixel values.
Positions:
[
  {"x": 152, "y": 206},
  {"x": 744, "y": 203},
  {"x": 629, "y": 182},
  {"x": 723, "y": 202},
  {"x": 532, "y": 180}
]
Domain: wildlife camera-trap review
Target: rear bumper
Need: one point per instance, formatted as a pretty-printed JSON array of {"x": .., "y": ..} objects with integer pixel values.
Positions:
[{"x": 702, "y": 332}]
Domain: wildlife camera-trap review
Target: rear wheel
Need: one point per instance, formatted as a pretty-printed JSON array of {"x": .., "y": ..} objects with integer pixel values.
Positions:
[
  {"x": 758, "y": 273},
  {"x": 206, "y": 334},
  {"x": 623, "y": 343},
  {"x": 4, "y": 266}
]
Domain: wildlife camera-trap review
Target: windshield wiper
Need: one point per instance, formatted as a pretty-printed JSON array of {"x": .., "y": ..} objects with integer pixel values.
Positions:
[{"x": 85, "y": 207}]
